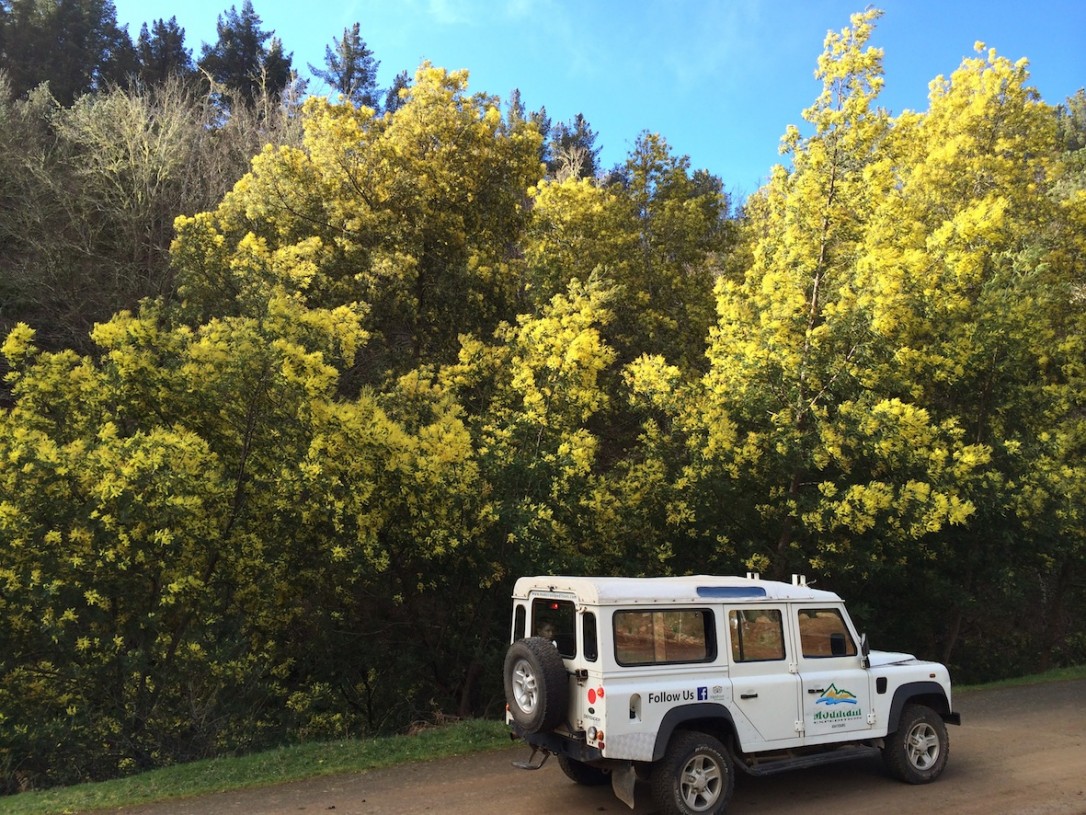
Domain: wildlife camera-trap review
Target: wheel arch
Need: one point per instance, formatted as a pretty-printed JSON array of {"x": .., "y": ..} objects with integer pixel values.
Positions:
[
  {"x": 930, "y": 694},
  {"x": 716, "y": 720}
]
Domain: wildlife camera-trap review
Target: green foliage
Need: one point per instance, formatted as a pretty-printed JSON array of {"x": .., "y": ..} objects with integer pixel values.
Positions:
[
  {"x": 658, "y": 235},
  {"x": 246, "y": 62},
  {"x": 234, "y": 522},
  {"x": 351, "y": 69},
  {"x": 162, "y": 53},
  {"x": 1072, "y": 121},
  {"x": 537, "y": 390},
  {"x": 76, "y": 47},
  {"x": 411, "y": 213},
  {"x": 888, "y": 382},
  {"x": 281, "y": 488},
  {"x": 572, "y": 150},
  {"x": 90, "y": 193}
]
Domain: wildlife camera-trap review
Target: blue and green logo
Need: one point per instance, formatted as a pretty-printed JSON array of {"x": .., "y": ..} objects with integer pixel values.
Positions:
[{"x": 834, "y": 695}]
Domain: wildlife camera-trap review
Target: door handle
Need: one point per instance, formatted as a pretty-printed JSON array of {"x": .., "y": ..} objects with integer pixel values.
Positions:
[{"x": 748, "y": 696}]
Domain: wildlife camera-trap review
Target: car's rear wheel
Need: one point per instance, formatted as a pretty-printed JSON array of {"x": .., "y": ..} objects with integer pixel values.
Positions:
[
  {"x": 535, "y": 684},
  {"x": 583, "y": 773},
  {"x": 695, "y": 777}
]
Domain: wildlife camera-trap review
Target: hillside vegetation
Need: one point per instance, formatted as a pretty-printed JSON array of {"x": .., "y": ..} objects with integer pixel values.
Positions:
[{"x": 268, "y": 471}]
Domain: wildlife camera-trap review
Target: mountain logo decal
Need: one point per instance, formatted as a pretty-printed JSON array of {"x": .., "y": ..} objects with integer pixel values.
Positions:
[{"x": 834, "y": 695}]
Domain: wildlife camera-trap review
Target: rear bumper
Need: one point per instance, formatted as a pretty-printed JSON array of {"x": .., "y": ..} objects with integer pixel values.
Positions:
[{"x": 561, "y": 745}]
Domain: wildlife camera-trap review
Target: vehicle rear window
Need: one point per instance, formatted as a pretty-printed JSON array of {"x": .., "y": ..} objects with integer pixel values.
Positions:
[
  {"x": 554, "y": 620},
  {"x": 654, "y": 637}
]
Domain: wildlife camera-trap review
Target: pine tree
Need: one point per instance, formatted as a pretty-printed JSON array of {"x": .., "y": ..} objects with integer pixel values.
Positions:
[
  {"x": 161, "y": 52},
  {"x": 394, "y": 100},
  {"x": 5, "y": 16},
  {"x": 242, "y": 64},
  {"x": 351, "y": 69},
  {"x": 573, "y": 151},
  {"x": 1071, "y": 116},
  {"x": 518, "y": 114},
  {"x": 74, "y": 45}
]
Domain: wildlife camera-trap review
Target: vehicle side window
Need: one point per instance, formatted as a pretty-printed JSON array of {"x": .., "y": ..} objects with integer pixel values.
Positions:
[
  {"x": 590, "y": 647},
  {"x": 757, "y": 634},
  {"x": 518, "y": 623},
  {"x": 664, "y": 636},
  {"x": 823, "y": 633}
]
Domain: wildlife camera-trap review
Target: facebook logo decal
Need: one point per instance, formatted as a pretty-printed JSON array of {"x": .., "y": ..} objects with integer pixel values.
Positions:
[{"x": 703, "y": 694}]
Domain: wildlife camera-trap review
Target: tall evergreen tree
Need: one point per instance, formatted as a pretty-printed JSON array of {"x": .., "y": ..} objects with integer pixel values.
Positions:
[
  {"x": 161, "y": 52},
  {"x": 74, "y": 45},
  {"x": 351, "y": 69},
  {"x": 1071, "y": 121},
  {"x": 5, "y": 16},
  {"x": 573, "y": 152},
  {"x": 518, "y": 114},
  {"x": 393, "y": 100},
  {"x": 243, "y": 63}
]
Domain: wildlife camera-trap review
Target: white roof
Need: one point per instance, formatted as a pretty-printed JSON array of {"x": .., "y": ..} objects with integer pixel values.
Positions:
[{"x": 688, "y": 589}]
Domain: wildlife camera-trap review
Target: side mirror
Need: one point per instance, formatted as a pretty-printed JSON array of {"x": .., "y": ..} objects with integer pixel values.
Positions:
[{"x": 865, "y": 650}]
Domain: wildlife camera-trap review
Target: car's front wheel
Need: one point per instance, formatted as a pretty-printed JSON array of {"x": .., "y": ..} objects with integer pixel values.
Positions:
[
  {"x": 695, "y": 777},
  {"x": 918, "y": 750}
]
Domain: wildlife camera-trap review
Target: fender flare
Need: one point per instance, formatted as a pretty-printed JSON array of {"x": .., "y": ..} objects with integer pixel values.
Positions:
[
  {"x": 931, "y": 694},
  {"x": 678, "y": 716}
]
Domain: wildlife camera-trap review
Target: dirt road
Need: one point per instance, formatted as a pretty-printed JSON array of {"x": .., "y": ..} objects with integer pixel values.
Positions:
[{"x": 1019, "y": 751}]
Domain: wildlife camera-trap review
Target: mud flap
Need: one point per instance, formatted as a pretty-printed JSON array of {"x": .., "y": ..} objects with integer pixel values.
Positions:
[{"x": 622, "y": 782}]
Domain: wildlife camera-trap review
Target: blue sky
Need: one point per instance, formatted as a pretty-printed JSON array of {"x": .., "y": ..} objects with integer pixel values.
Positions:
[{"x": 719, "y": 79}]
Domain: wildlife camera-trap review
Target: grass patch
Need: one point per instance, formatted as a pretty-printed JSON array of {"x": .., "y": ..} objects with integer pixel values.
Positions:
[
  {"x": 262, "y": 769},
  {"x": 1055, "y": 675}
]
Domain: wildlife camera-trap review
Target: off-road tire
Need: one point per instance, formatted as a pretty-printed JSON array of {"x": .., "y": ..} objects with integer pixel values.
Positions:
[
  {"x": 695, "y": 777},
  {"x": 917, "y": 751},
  {"x": 584, "y": 774},
  {"x": 535, "y": 684}
]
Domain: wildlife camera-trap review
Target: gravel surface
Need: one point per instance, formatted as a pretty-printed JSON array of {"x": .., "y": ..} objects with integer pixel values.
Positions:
[{"x": 1019, "y": 751}]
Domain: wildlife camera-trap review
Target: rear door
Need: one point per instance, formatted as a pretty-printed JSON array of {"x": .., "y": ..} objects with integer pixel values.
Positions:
[
  {"x": 554, "y": 616},
  {"x": 765, "y": 686},
  {"x": 664, "y": 658}
]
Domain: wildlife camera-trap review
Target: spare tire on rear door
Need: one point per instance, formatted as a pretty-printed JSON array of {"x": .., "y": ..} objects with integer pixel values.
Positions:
[{"x": 535, "y": 684}]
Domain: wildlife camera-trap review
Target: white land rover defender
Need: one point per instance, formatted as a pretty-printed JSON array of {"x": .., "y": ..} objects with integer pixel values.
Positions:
[{"x": 680, "y": 680}]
